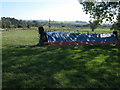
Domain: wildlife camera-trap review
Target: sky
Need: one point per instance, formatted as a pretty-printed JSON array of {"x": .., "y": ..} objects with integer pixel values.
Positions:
[{"x": 58, "y": 10}]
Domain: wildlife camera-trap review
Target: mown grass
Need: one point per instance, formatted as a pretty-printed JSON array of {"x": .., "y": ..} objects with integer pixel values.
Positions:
[{"x": 85, "y": 66}]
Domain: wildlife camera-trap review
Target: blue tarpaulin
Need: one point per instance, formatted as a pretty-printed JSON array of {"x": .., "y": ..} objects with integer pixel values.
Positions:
[{"x": 66, "y": 36}]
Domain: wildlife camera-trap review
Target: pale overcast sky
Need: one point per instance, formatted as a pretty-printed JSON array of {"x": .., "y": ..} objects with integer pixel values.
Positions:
[{"x": 58, "y": 10}]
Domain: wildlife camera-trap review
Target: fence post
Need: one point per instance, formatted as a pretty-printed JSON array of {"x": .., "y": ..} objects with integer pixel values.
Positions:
[
  {"x": 116, "y": 34},
  {"x": 42, "y": 36}
]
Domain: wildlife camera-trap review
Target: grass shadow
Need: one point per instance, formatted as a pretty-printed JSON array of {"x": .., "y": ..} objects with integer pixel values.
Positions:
[{"x": 82, "y": 66}]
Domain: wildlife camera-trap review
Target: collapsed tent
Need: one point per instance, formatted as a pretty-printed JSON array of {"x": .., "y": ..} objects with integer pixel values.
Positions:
[{"x": 66, "y": 38}]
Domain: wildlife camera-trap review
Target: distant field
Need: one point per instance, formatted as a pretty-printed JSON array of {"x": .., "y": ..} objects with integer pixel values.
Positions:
[
  {"x": 85, "y": 66},
  {"x": 79, "y": 30},
  {"x": 74, "y": 29}
]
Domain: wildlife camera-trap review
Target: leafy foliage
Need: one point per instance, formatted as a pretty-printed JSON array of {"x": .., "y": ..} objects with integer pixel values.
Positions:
[{"x": 104, "y": 10}]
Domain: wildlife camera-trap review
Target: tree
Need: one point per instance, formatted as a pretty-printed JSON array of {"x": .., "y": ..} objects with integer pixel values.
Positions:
[
  {"x": 104, "y": 10},
  {"x": 35, "y": 23},
  {"x": 3, "y": 24},
  {"x": 7, "y": 24},
  {"x": 94, "y": 24},
  {"x": 114, "y": 26},
  {"x": 29, "y": 24}
]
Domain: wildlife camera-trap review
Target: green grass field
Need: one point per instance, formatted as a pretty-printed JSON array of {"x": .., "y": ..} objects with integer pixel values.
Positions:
[{"x": 85, "y": 66}]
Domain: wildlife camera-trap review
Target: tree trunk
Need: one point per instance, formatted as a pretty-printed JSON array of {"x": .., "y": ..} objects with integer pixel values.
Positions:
[
  {"x": 119, "y": 22},
  {"x": 92, "y": 30}
]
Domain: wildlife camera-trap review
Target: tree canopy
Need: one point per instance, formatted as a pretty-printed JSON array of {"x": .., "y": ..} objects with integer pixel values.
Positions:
[{"x": 104, "y": 10}]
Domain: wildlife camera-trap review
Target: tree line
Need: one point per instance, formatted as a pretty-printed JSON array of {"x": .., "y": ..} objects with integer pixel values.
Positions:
[{"x": 7, "y": 22}]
